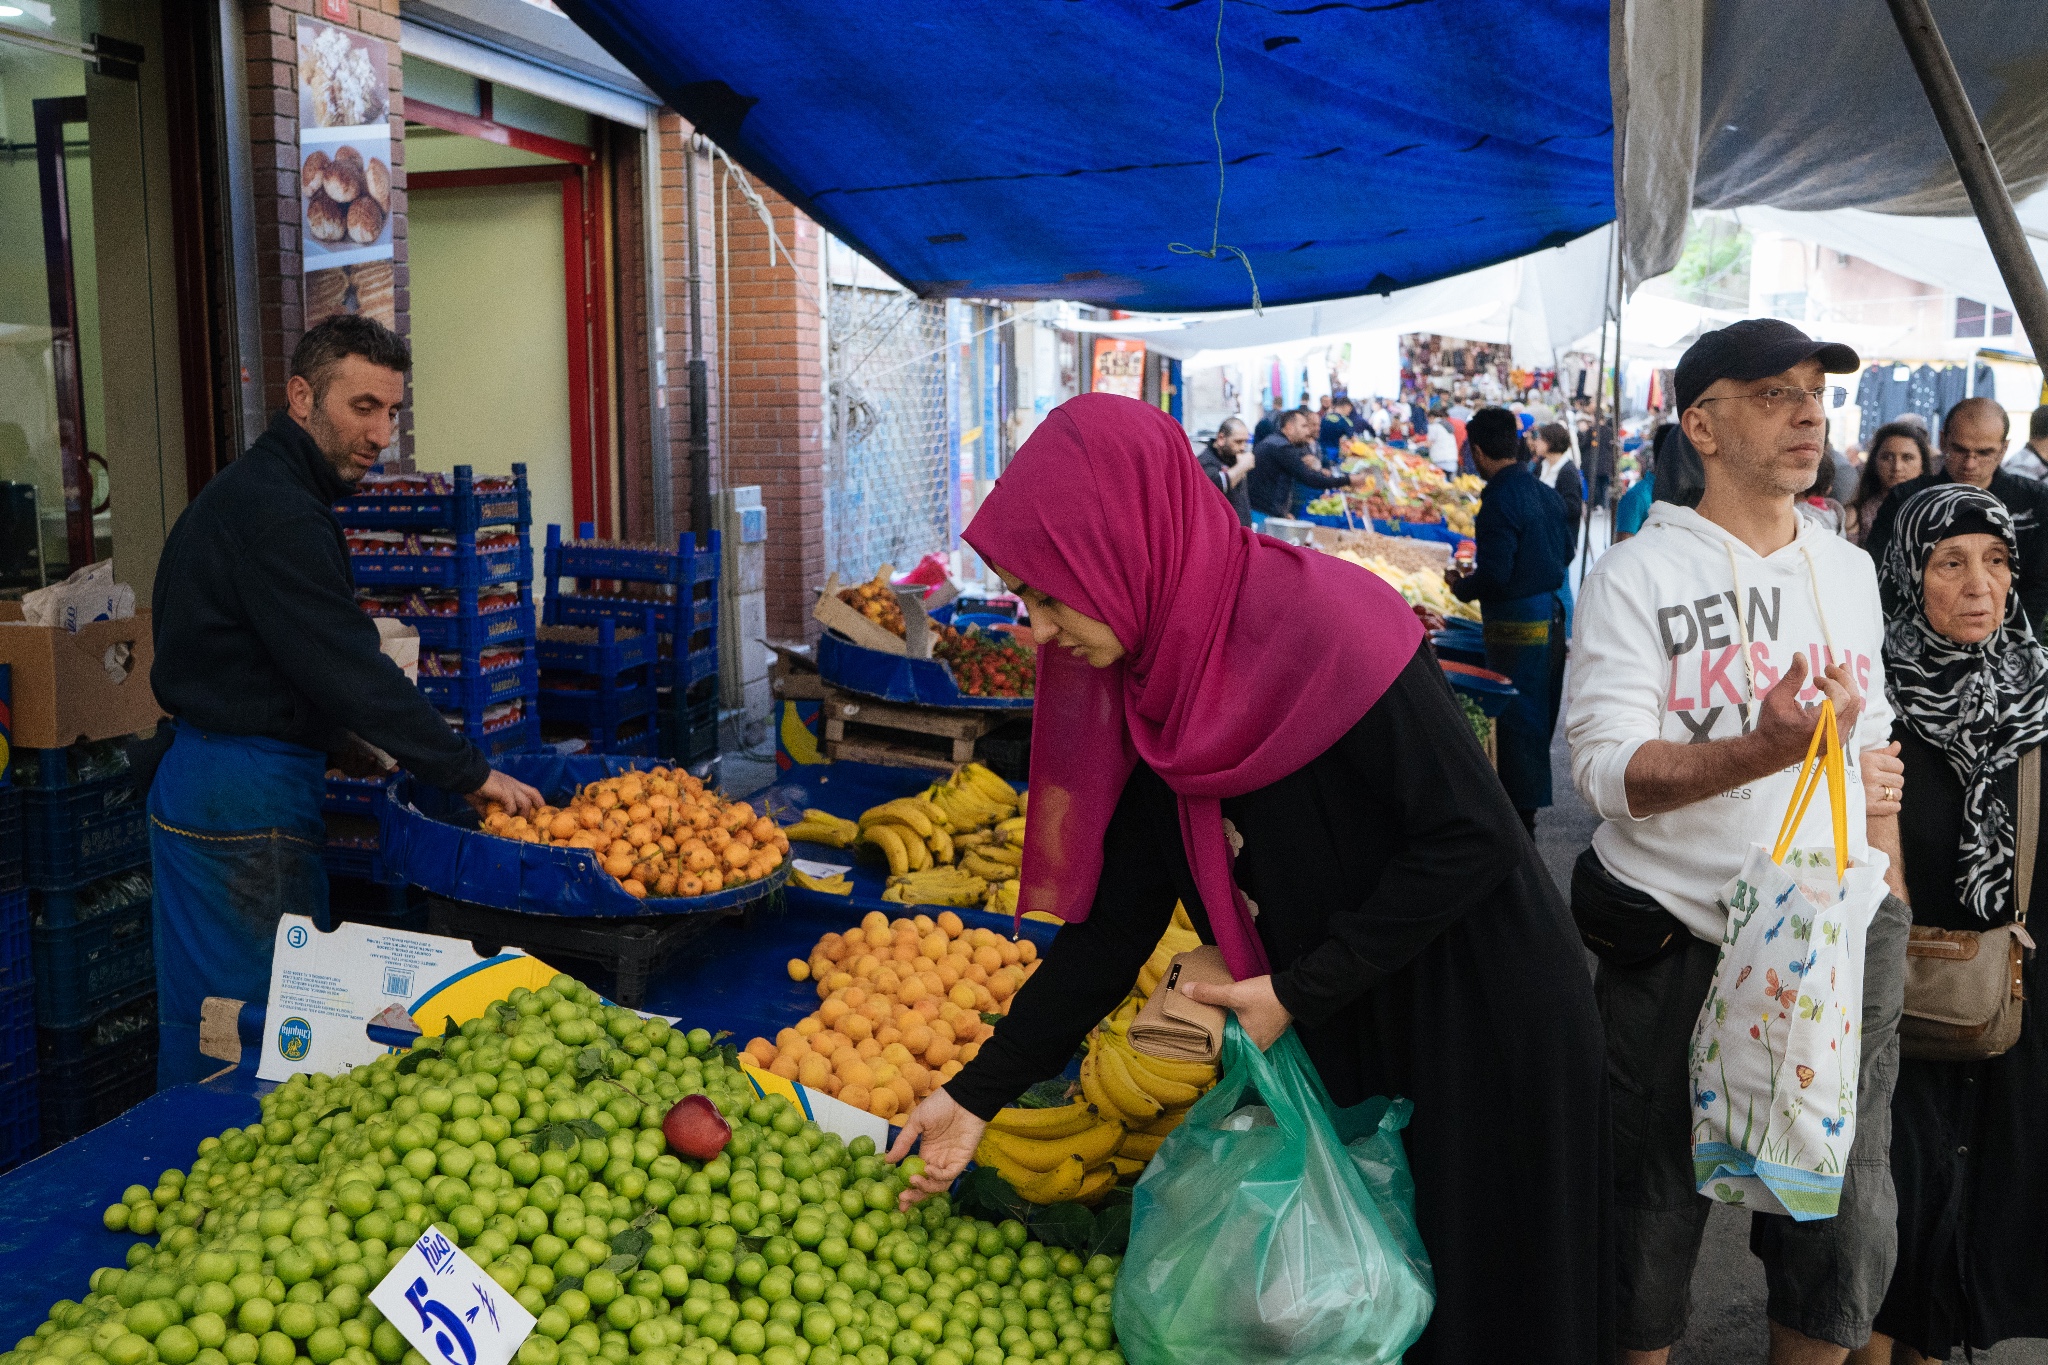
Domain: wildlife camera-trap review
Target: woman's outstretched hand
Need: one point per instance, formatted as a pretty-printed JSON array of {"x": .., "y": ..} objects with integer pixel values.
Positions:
[
  {"x": 950, "y": 1136},
  {"x": 1258, "y": 1010}
]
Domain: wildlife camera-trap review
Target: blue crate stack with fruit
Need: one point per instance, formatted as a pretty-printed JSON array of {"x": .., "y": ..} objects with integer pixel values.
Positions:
[
  {"x": 78, "y": 1028},
  {"x": 449, "y": 556},
  {"x": 628, "y": 585}
]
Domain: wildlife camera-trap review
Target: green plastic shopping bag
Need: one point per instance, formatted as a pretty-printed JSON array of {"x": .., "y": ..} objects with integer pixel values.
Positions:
[{"x": 1274, "y": 1226}]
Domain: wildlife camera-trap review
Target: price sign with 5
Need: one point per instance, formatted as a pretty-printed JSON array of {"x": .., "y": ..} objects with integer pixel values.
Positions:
[{"x": 448, "y": 1309}]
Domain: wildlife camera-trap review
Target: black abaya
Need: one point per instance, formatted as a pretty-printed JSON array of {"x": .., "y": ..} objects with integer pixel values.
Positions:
[
  {"x": 1969, "y": 1139},
  {"x": 1424, "y": 952}
]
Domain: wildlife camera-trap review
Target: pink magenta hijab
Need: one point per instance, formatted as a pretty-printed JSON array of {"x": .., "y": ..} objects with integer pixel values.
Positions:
[{"x": 1244, "y": 658}]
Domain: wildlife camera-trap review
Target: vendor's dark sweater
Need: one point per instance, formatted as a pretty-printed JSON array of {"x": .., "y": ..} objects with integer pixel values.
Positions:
[
  {"x": 1278, "y": 467},
  {"x": 1519, "y": 539},
  {"x": 256, "y": 624}
]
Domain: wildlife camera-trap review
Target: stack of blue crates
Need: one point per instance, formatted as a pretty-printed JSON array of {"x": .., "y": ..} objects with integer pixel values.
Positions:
[
  {"x": 597, "y": 684},
  {"x": 470, "y": 631},
  {"x": 680, "y": 588},
  {"x": 90, "y": 973}
]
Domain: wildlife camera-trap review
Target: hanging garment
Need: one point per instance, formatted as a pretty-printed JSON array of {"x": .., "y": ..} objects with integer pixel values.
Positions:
[
  {"x": 1923, "y": 395},
  {"x": 1869, "y": 398}
]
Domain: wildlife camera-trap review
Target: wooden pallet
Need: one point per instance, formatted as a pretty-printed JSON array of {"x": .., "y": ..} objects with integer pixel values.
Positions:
[{"x": 862, "y": 730}]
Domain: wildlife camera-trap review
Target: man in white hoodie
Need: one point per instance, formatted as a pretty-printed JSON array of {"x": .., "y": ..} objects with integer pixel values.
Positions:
[{"x": 1703, "y": 647}]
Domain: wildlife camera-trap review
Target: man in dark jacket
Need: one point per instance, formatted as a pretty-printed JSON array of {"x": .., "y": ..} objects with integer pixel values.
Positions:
[
  {"x": 1226, "y": 460},
  {"x": 1523, "y": 553},
  {"x": 1973, "y": 441},
  {"x": 1287, "y": 460},
  {"x": 267, "y": 666}
]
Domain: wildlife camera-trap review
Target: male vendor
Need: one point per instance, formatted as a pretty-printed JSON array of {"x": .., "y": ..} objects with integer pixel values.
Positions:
[
  {"x": 1523, "y": 552},
  {"x": 266, "y": 663}
]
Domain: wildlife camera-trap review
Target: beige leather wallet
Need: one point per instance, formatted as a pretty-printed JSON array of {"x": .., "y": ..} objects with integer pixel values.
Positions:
[{"x": 1173, "y": 1027}]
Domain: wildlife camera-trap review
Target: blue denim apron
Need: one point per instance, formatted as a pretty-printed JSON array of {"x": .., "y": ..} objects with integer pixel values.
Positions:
[
  {"x": 1525, "y": 639},
  {"x": 235, "y": 836}
]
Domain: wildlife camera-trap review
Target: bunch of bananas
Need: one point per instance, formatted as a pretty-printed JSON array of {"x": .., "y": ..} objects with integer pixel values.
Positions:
[
  {"x": 937, "y": 886},
  {"x": 1066, "y": 1154},
  {"x": 838, "y": 884},
  {"x": 823, "y": 827},
  {"x": 1129, "y": 1102}
]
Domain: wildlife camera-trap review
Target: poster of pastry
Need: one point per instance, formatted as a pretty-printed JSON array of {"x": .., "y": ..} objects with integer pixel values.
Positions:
[
  {"x": 344, "y": 78},
  {"x": 345, "y": 199},
  {"x": 366, "y": 289},
  {"x": 344, "y": 152},
  {"x": 1119, "y": 367}
]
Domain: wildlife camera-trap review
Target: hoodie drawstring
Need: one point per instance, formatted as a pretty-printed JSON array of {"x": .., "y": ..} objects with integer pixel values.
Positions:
[{"x": 1742, "y": 617}]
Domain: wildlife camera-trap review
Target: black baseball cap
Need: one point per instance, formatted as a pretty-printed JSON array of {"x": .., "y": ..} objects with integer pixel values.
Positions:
[{"x": 1755, "y": 348}]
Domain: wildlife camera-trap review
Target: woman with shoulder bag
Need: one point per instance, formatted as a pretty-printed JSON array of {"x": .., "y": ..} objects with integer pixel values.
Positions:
[
  {"x": 1262, "y": 733},
  {"x": 1969, "y": 683}
]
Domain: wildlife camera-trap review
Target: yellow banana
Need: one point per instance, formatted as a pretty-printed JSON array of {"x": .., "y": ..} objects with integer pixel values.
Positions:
[
  {"x": 1199, "y": 1074},
  {"x": 1167, "y": 1121},
  {"x": 1140, "y": 1146},
  {"x": 983, "y": 868},
  {"x": 1096, "y": 1184},
  {"x": 1098, "y": 1094},
  {"x": 831, "y": 886},
  {"x": 987, "y": 782},
  {"x": 1055, "y": 1122},
  {"x": 1003, "y": 853},
  {"x": 910, "y": 813},
  {"x": 1123, "y": 1088},
  {"x": 973, "y": 838},
  {"x": 1057, "y": 1186},
  {"x": 817, "y": 832},
  {"x": 1148, "y": 980},
  {"x": 1012, "y": 828},
  {"x": 1125, "y": 1166},
  {"x": 890, "y": 842},
  {"x": 1093, "y": 1145},
  {"x": 941, "y": 845},
  {"x": 931, "y": 808},
  {"x": 1180, "y": 918}
]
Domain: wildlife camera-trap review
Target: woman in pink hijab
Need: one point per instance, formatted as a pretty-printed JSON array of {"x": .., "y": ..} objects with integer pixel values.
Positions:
[{"x": 1262, "y": 733}]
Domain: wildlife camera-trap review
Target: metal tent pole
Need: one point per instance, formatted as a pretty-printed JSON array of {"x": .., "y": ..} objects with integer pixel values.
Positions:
[
  {"x": 699, "y": 368},
  {"x": 1974, "y": 164}
]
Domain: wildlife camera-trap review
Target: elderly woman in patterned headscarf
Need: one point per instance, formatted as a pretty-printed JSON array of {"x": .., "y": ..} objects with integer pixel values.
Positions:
[{"x": 1969, "y": 683}]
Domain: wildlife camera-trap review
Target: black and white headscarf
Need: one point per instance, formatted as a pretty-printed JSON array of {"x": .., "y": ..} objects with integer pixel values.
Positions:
[{"x": 1982, "y": 705}]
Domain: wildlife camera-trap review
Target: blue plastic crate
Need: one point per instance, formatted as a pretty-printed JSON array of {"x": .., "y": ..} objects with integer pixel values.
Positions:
[
  {"x": 101, "y": 1041},
  {"x": 683, "y": 566},
  {"x": 617, "y": 648},
  {"x": 364, "y": 864},
  {"x": 77, "y": 1099},
  {"x": 17, "y": 1031},
  {"x": 484, "y": 688},
  {"x": 699, "y": 664},
  {"x": 13, "y": 848},
  {"x": 93, "y": 967},
  {"x": 461, "y": 511},
  {"x": 605, "y": 708},
  {"x": 21, "y": 1128},
  {"x": 469, "y": 630},
  {"x": 80, "y": 904},
  {"x": 523, "y": 738},
  {"x": 468, "y": 567},
  {"x": 85, "y": 831},
  {"x": 357, "y": 795},
  {"x": 592, "y": 609},
  {"x": 62, "y": 769},
  {"x": 16, "y": 957}
]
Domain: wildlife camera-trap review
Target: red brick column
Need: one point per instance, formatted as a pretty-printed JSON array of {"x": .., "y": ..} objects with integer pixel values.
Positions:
[
  {"x": 270, "y": 42},
  {"x": 774, "y": 404}
]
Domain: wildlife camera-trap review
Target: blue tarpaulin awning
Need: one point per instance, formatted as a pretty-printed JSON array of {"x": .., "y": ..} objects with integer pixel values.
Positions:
[{"x": 1054, "y": 149}]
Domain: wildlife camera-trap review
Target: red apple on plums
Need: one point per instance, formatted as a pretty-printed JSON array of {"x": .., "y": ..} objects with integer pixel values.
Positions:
[{"x": 695, "y": 1128}]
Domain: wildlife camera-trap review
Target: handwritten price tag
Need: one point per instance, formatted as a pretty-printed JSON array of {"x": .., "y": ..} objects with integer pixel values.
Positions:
[{"x": 453, "y": 1314}]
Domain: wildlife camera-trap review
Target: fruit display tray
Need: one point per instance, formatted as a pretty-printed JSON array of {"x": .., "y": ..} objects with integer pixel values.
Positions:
[
  {"x": 906, "y": 681},
  {"x": 433, "y": 842}
]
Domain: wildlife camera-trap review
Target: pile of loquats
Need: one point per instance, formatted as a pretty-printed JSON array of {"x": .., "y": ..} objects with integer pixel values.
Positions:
[{"x": 905, "y": 1004}]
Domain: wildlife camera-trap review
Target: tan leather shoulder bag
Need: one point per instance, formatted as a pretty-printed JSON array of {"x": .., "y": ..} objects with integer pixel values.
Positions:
[{"x": 1964, "y": 991}]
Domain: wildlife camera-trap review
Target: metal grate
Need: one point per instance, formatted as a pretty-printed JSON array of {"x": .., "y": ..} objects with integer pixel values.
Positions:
[{"x": 887, "y": 495}]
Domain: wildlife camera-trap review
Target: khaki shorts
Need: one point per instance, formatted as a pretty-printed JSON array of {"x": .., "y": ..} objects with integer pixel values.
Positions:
[{"x": 1827, "y": 1277}]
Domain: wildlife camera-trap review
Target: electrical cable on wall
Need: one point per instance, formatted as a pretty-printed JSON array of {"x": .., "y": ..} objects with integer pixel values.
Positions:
[{"x": 1216, "y": 246}]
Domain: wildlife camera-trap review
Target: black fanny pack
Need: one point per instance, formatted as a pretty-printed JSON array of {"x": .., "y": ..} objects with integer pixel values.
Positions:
[{"x": 1620, "y": 925}]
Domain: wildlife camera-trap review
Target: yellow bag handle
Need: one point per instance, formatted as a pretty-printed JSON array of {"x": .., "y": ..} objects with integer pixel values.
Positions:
[{"x": 1819, "y": 764}]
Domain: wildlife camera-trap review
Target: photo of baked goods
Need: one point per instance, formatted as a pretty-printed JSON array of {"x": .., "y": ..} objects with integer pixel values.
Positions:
[
  {"x": 344, "y": 77},
  {"x": 366, "y": 288},
  {"x": 347, "y": 197}
]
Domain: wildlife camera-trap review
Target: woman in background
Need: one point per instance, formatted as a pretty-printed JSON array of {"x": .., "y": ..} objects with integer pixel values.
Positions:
[{"x": 1898, "y": 452}]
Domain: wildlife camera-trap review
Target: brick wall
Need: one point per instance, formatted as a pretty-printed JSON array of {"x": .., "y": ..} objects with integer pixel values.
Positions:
[
  {"x": 270, "y": 39},
  {"x": 774, "y": 408}
]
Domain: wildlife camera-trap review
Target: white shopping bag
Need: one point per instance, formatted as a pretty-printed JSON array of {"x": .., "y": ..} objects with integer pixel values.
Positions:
[{"x": 1776, "y": 1051}]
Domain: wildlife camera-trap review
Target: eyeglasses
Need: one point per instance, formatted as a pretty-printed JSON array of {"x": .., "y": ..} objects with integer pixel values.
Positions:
[{"x": 1827, "y": 395}]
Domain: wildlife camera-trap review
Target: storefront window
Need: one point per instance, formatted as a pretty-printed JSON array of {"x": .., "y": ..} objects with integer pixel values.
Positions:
[{"x": 54, "y": 493}]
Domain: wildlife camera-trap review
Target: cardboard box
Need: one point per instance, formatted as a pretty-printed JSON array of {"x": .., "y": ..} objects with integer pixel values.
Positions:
[{"x": 62, "y": 691}]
